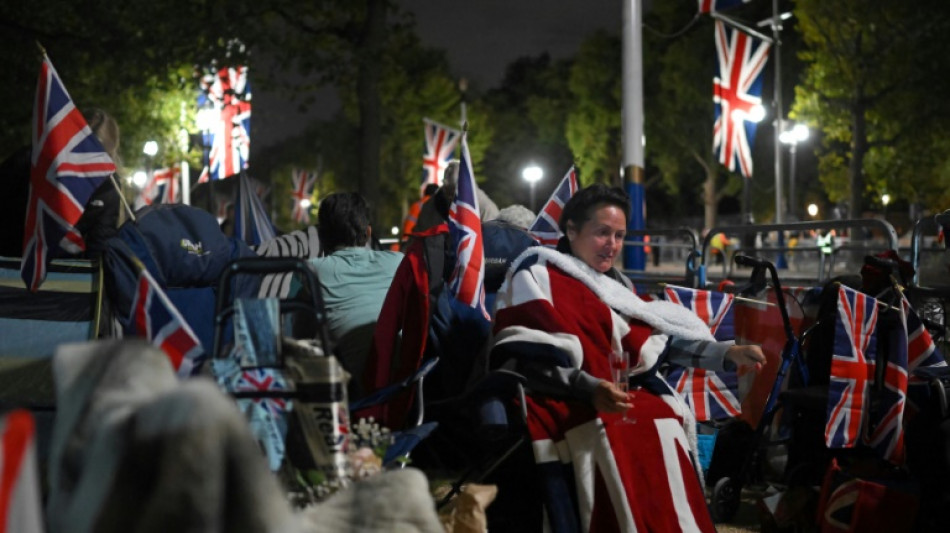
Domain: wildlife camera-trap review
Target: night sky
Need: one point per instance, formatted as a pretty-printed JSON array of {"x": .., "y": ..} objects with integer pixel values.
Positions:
[{"x": 481, "y": 37}]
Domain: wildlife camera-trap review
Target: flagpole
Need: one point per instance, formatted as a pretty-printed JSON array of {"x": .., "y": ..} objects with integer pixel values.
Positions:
[{"x": 632, "y": 124}]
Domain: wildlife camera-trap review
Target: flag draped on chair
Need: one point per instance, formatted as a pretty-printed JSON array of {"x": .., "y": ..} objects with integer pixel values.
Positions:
[
  {"x": 545, "y": 226},
  {"x": 737, "y": 89},
  {"x": 226, "y": 100},
  {"x": 303, "y": 190},
  {"x": 158, "y": 321},
  {"x": 440, "y": 145},
  {"x": 68, "y": 163},
  {"x": 708, "y": 6},
  {"x": 251, "y": 223},
  {"x": 712, "y": 395},
  {"x": 162, "y": 188},
  {"x": 467, "y": 282},
  {"x": 852, "y": 367}
]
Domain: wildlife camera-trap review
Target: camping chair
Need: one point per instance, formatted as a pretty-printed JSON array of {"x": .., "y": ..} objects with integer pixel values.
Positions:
[{"x": 67, "y": 308}]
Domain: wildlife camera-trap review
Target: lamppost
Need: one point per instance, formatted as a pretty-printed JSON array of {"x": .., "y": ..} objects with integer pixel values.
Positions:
[
  {"x": 791, "y": 137},
  {"x": 885, "y": 199},
  {"x": 532, "y": 174},
  {"x": 812, "y": 210}
]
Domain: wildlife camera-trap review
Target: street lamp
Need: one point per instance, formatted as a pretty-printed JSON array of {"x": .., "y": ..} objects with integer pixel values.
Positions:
[
  {"x": 791, "y": 137},
  {"x": 885, "y": 199},
  {"x": 139, "y": 178},
  {"x": 150, "y": 149},
  {"x": 812, "y": 210},
  {"x": 532, "y": 174}
]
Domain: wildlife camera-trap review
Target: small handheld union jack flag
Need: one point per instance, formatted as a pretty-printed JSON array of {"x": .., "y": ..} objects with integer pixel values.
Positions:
[
  {"x": 156, "y": 319},
  {"x": 852, "y": 367},
  {"x": 545, "y": 226},
  {"x": 440, "y": 146},
  {"x": 467, "y": 282},
  {"x": 737, "y": 91},
  {"x": 67, "y": 165},
  {"x": 303, "y": 189}
]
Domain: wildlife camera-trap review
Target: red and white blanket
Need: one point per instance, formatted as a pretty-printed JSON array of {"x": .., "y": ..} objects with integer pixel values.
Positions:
[{"x": 598, "y": 474}]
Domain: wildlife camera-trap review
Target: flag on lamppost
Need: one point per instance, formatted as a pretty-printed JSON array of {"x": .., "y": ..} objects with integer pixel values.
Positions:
[
  {"x": 440, "y": 143},
  {"x": 737, "y": 92},
  {"x": 225, "y": 99}
]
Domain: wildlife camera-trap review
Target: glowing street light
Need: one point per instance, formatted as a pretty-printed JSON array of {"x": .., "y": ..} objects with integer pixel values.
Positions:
[
  {"x": 150, "y": 148},
  {"x": 139, "y": 178},
  {"x": 885, "y": 199},
  {"x": 812, "y": 210},
  {"x": 394, "y": 230},
  {"x": 532, "y": 174}
]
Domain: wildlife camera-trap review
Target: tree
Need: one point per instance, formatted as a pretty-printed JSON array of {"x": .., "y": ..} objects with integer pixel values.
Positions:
[
  {"x": 593, "y": 124},
  {"x": 873, "y": 70}
]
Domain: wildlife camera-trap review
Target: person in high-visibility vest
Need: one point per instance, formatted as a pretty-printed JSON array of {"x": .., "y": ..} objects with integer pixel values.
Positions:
[{"x": 409, "y": 223}]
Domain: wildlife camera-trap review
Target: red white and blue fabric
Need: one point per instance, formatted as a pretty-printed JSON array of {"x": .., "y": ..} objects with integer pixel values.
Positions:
[
  {"x": 439, "y": 149},
  {"x": 67, "y": 165},
  {"x": 227, "y": 95},
  {"x": 251, "y": 222},
  {"x": 545, "y": 226},
  {"x": 848, "y": 504},
  {"x": 737, "y": 89},
  {"x": 162, "y": 188},
  {"x": 598, "y": 474},
  {"x": 467, "y": 282},
  {"x": 714, "y": 308},
  {"x": 852, "y": 367},
  {"x": 711, "y": 395},
  {"x": 262, "y": 380},
  {"x": 303, "y": 190},
  {"x": 156, "y": 319},
  {"x": 885, "y": 423},
  {"x": 708, "y": 6},
  {"x": 20, "y": 501}
]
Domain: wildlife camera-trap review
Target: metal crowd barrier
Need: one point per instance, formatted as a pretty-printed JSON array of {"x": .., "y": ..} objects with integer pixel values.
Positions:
[
  {"x": 857, "y": 244},
  {"x": 682, "y": 242}
]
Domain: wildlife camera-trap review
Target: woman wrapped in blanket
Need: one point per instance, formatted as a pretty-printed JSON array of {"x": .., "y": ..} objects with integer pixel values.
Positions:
[{"x": 558, "y": 316}]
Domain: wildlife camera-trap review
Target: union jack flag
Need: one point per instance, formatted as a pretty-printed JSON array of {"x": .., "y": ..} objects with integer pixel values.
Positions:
[
  {"x": 251, "y": 223},
  {"x": 227, "y": 94},
  {"x": 156, "y": 319},
  {"x": 712, "y": 395},
  {"x": 303, "y": 189},
  {"x": 67, "y": 165},
  {"x": 467, "y": 282},
  {"x": 545, "y": 226},
  {"x": 885, "y": 430},
  {"x": 707, "y": 6},
  {"x": 852, "y": 367},
  {"x": 715, "y": 308},
  {"x": 162, "y": 188},
  {"x": 440, "y": 145},
  {"x": 263, "y": 380},
  {"x": 737, "y": 89}
]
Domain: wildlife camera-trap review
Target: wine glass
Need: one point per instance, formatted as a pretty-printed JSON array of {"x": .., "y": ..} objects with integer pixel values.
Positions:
[{"x": 620, "y": 373}]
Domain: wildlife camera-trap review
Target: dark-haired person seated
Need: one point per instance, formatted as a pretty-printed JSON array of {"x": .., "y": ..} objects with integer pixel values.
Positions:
[
  {"x": 353, "y": 279},
  {"x": 559, "y": 316}
]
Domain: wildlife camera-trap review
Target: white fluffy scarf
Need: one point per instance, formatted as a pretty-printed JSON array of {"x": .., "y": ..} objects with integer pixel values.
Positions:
[{"x": 665, "y": 317}]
